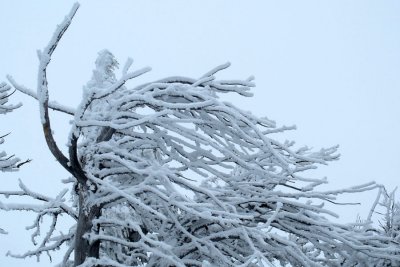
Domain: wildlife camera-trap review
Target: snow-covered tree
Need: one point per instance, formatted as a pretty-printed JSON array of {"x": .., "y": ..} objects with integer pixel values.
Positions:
[{"x": 168, "y": 174}]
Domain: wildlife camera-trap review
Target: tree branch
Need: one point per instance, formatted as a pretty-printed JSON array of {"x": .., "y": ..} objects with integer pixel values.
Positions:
[
  {"x": 42, "y": 90},
  {"x": 52, "y": 104}
]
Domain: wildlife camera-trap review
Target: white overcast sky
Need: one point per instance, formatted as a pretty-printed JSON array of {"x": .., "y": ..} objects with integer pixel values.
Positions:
[{"x": 330, "y": 67}]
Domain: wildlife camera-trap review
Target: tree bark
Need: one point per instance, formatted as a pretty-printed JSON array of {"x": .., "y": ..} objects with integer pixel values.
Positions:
[
  {"x": 83, "y": 248},
  {"x": 87, "y": 213}
]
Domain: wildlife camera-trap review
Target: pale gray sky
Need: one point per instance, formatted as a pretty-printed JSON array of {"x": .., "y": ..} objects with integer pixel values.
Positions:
[{"x": 330, "y": 67}]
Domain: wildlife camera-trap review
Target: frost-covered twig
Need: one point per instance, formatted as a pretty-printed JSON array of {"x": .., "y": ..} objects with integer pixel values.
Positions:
[
  {"x": 4, "y": 94},
  {"x": 7, "y": 163}
]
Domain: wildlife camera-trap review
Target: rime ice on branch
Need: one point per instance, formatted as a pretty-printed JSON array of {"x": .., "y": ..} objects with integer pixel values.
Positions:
[
  {"x": 7, "y": 163},
  {"x": 168, "y": 174}
]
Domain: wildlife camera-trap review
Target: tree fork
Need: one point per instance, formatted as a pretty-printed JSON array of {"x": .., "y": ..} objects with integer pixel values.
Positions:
[{"x": 83, "y": 248}]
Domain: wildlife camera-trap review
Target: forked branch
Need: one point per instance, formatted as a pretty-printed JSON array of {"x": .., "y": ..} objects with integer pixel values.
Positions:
[{"x": 42, "y": 89}]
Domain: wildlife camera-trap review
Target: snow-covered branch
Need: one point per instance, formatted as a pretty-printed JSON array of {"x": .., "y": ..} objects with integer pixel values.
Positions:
[
  {"x": 5, "y": 92},
  {"x": 44, "y": 207},
  {"x": 7, "y": 163},
  {"x": 52, "y": 104},
  {"x": 42, "y": 89}
]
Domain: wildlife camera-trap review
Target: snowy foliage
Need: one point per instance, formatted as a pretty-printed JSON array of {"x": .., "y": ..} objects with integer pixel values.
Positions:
[{"x": 168, "y": 174}]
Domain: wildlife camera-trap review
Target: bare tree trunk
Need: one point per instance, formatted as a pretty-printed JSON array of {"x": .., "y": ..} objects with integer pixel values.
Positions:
[{"x": 84, "y": 249}]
